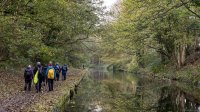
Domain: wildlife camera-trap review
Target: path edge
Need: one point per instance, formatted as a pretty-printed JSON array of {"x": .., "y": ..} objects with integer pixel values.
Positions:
[{"x": 65, "y": 99}]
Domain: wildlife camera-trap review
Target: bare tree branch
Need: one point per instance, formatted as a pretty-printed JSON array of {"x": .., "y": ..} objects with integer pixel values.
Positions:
[
  {"x": 188, "y": 8},
  {"x": 79, "y": 39},
  {"x": 159, "y": 50},
  {"x": 173, "y": 7},
  {"x": 93, "y": 50}
]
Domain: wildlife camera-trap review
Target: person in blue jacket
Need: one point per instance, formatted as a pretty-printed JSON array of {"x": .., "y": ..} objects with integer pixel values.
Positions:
[
  {"x": 57, "y": 69},
  {"x": 64, "y": 71},
  {"x": 50, "y": 81}
]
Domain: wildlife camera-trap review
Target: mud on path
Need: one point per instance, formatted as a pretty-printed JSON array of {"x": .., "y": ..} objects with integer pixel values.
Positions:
[{"x": 14, "y": 99}]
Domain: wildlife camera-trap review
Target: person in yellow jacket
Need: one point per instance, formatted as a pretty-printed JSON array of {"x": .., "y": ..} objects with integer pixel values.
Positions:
[{"x": 51, "y": 75}]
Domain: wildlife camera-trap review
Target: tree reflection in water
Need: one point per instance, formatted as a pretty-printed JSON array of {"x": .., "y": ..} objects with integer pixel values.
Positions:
[
  {"x": 124, "y": 92},
  {"x": 166, "y": 97},
  {"x": 174, "y": 99}
]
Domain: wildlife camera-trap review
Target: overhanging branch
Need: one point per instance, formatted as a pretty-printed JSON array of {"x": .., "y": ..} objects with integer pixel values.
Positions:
[
  {"x": 188, "y": 8},
  {"x": 159, "y": 50}
]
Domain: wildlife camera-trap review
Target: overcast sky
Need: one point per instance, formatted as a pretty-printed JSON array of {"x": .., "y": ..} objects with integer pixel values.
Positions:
[{"x": 109, "y": 3}]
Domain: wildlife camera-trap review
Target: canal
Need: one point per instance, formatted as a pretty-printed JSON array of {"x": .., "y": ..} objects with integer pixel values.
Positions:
[{"x": 103, "y": 91}]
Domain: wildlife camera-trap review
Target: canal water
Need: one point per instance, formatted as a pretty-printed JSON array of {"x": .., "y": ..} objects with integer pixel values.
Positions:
[{"x": 103, "y": 91}]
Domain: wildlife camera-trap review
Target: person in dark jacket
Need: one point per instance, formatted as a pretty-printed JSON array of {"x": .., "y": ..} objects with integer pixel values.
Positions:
[
  {"x": 57, "y": 69},
  {"x": 64, "y": 72},
  {"x": 40, "y": 76},
  {"x": 28, "y": 76},
  {"x": 44, "y": 69}
]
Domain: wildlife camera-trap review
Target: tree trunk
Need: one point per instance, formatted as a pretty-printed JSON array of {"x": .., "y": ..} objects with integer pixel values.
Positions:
[
  {"x": 181, "y": 105},
  {"x": 180, "y": 54},
  {"x": 178, "y": 60}
]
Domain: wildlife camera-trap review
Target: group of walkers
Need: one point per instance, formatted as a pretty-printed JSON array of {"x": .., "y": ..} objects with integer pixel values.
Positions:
[{"x": 46, "y": 74}]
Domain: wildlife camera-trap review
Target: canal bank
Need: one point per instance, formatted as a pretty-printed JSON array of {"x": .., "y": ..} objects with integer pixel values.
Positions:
[
  {"x": 188, "y": 74},
  {"x": 15, "y": 99},
  {"x": 68, "y": 92},
  {"x": 55, "y": 101}
]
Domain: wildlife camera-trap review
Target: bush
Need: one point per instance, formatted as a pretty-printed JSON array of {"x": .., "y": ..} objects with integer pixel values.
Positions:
[{"x": 157, "y": 68}]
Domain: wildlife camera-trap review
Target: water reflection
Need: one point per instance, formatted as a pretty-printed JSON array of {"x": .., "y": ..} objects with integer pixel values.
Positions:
[
  {"x": 174, "y": 99},
  {"x": 123, "y": 92},
  {"x": 98, "y": 75}
]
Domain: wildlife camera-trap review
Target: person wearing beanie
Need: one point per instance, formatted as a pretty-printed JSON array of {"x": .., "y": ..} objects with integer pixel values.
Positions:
[
  {"x": 28, "y": 76},
  {"x": 64, "y": 71},
  {"x": 40, "y": 76},
  {"x": 50, "y": 74},
  {"x": 57, "y": 69}
]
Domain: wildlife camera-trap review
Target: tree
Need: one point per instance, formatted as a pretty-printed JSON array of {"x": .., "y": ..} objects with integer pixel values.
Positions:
[
  {"x": 45, "y": 29},
  {"x": 162, "y": 27}
]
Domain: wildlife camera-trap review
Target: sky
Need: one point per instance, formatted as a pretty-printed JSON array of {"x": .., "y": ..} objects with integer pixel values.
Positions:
[{"x": 109, "y": 3}]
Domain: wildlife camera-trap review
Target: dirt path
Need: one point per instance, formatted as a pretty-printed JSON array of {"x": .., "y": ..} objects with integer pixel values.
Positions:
[
  {"x": 17, "y": 102},
  {"x": 14, "y": 99}
]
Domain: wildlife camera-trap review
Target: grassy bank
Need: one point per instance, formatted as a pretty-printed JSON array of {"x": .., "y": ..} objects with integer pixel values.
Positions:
[
  {"x": 189, "y": 73},
  {"x": 13, "y": 98}
]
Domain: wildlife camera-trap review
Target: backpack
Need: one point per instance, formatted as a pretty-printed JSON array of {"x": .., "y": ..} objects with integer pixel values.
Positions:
[
  {"x": 44, "y": 70},
  {"x": 27, "y": 74},
  {"x": 50, "y": 74},
  {"x": 65, "y": 68},
  {"x": 40, "y": 70},
  {"x": 40, "y": 74},
  {"x": 35, "y": 80},
  {"x": 57, "y": 69}
]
